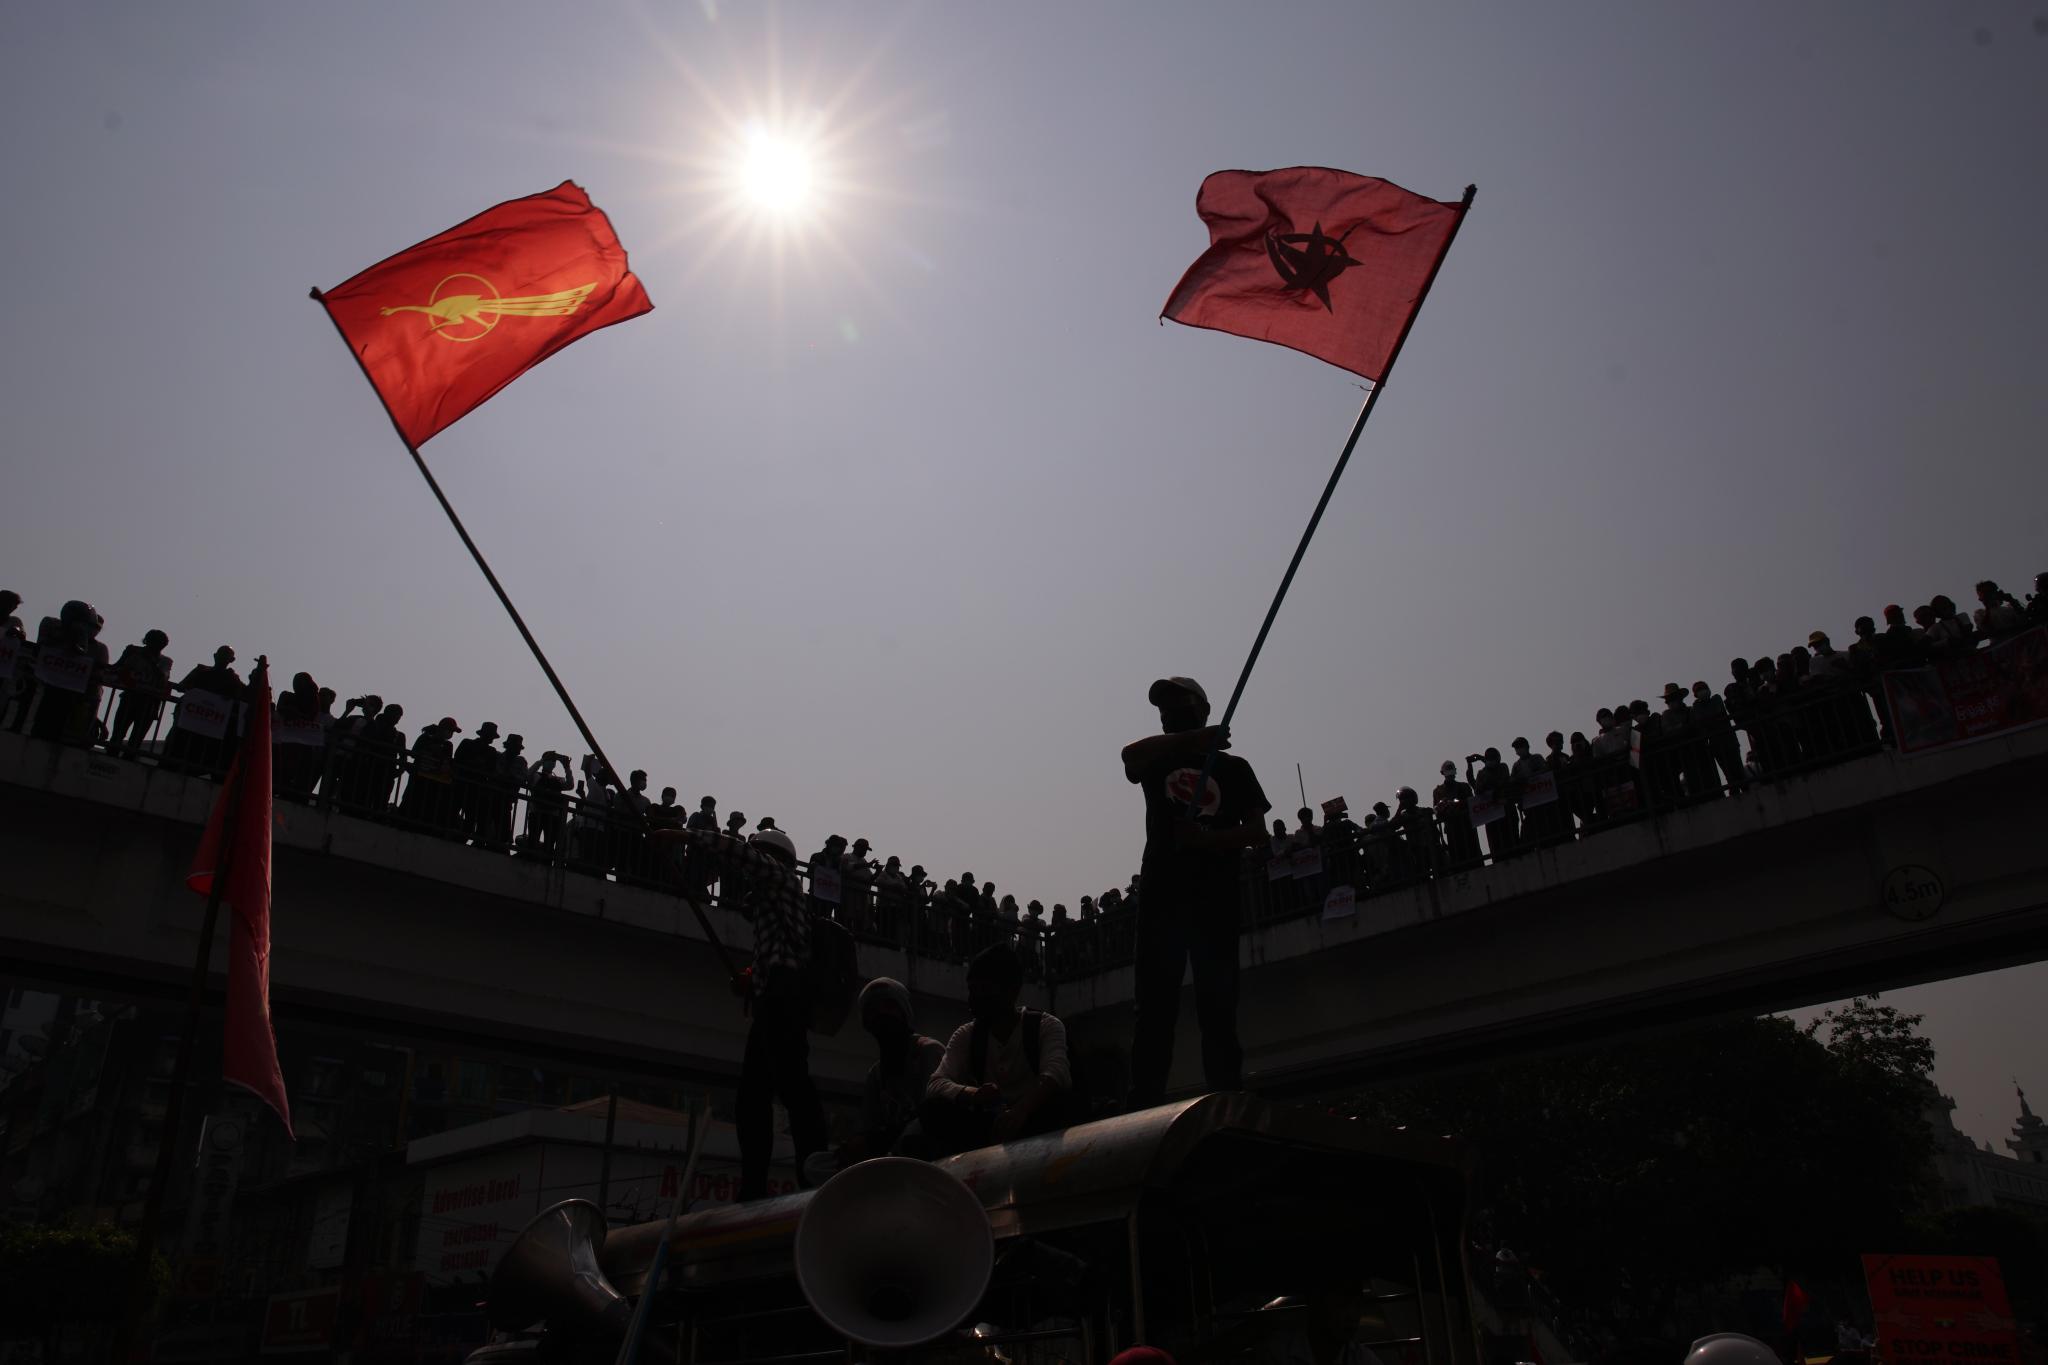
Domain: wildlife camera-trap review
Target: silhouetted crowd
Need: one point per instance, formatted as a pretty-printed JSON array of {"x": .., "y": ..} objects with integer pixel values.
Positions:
[
  {"x": 1808, "y": 707},
  {"x": 481, "y": 789}
]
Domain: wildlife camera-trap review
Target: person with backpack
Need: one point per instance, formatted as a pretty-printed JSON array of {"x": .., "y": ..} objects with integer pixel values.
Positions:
[
  {"x": 1005, "y": 1074},
  {"x": 777, "y": 1061}
]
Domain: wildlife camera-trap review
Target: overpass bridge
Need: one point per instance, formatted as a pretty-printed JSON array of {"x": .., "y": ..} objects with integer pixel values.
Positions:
[
  {"x": 380, "y": 927},
  {"x": 1882, "y": 871}
]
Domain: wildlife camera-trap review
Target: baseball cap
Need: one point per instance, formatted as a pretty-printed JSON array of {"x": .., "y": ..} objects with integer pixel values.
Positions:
[
  {"x": 1167, "y": 685},
  {"x": 448, "y": 723},
  {"x": 1816, "y": 637}
]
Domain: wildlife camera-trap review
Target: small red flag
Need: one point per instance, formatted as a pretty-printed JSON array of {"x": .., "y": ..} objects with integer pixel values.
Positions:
[
  {"x": 1793, "y": 1310},
  {"x": 1324, "y": 261},
  {"x": 442, "y": 326},
  {"x": 249, "y": 1057}
]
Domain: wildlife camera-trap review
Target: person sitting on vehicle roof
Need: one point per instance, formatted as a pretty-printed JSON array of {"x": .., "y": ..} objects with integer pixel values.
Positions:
[{"x": 1005, "y": 1074}]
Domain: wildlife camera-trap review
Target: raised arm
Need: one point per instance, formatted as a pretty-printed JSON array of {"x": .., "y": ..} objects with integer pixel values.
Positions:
[{"x": 1144, "y": 756}]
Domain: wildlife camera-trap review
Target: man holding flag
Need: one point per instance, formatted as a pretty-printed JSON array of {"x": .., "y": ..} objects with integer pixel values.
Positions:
[
  {"x": 1336, "y": 265},
  {"x": 1189, "y": 909}
]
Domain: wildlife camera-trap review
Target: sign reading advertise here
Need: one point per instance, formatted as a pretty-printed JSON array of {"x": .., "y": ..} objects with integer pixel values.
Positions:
[
  {"x": 471, "y": 1211},
  {"x": 1941, "y": 1310}
]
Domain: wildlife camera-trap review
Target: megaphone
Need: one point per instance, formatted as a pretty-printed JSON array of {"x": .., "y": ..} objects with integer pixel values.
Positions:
[
  {"x": 893, "y": 1252},
  {"x": 552, "y": 1272}
]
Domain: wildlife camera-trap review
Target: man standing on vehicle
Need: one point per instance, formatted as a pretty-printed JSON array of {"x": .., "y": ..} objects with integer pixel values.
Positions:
[
  {"x": 776, "y": 1062},
  {"x": 1190, "y": 875}
]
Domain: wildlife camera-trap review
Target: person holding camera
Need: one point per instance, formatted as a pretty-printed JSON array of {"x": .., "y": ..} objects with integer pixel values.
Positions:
[{"x": 547, "y": 803}]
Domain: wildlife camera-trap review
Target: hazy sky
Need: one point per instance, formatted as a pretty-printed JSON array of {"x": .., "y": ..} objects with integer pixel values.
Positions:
[{"x": 882, "y": 526}]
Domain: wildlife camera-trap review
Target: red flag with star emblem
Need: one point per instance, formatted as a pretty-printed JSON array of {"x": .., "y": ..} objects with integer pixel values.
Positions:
[
  {"x": 1323, "y": 261},
  {"x": 442, "y": 326},
  {"x": 242, "y": 830}
]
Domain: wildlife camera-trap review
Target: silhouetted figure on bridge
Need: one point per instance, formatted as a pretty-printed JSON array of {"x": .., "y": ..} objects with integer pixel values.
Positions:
[
  {"x": 1717, "y": 730},
  {"x": 429, "y": 801},
  {"x": 1950, "y": 636},
  {"x": 1900, "y": 645},
  {"x": 1491, "y": 788},
  {"x": 298, "y": 742},
  {"x": 143, "y": 675},
  {"x": 476, "y": 763},
  {"x": 547, "y": 804},
  {"x": 1451, "y": 800},
  {"x": 380, "y": 749},
  {"x": 205, "y": 717},
  {"x": 1664, "y": 749},
  {"x": 892, "y": 900},
  {"x": 2000, "y": 614},
  {"x": 70, "y": 666},
  {"x": 1193, "y": 839},
  {"x": 17, "y": 675}
]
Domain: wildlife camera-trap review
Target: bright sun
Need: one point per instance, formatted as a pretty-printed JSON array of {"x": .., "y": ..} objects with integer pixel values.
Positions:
[{"x": 777, "y": 173}]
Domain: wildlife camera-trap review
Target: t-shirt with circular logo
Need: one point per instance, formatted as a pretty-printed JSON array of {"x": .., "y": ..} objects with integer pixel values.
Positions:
[{"x": 1231, "y": 800}]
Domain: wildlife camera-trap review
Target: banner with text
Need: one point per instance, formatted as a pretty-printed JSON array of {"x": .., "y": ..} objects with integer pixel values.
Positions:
[
  {"x": 1941, "y": 1309},
  {"x": 203, "y": 713},
  {"x": 63, "y": 668},
  {"x": 1987, "y": 692}
]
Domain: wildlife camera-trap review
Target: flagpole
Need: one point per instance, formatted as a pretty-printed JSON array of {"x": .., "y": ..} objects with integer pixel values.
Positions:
[
  {"x": 504, "y": 599},
  {"x": 1343, "y": 458},
  {"x": 174, "y": 1107}
]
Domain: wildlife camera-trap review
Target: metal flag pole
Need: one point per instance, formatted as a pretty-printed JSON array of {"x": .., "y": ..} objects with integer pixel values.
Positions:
[
  {"x": 554, "y": 678},
  {"x": 629, "y": 1349},
  {"x": 170, "y": 1145},
  {"x": 1316, "y": 517}
]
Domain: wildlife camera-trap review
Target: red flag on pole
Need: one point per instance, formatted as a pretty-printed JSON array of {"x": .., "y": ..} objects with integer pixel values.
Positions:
[
  {"x": 250, "y": 1053},
  {"x": 1793, "y": 1310},
  {"x": 1327, "y": 262},
  {"x": 442, "y": 326}
]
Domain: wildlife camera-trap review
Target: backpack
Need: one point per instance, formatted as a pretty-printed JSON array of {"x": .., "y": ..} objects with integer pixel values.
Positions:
[
  {"x": 1079, "y": 1104},
  {"x": 977, "y": 1047},
  {"x": 831, "y": 975}
]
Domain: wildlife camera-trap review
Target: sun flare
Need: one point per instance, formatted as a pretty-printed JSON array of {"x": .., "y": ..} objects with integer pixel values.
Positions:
[{"x": 777, "y": 173}]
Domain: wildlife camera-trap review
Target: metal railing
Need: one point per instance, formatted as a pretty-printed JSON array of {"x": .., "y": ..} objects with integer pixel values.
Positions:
[
  {"x": 1581, "y": 798},
  {"x": 541, "y": 818}
]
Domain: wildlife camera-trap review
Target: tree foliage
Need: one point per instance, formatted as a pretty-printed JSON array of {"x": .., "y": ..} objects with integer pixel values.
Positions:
[
  {"x": 53, "y": 1274},
  {"x": 1635, "y": 1171}
]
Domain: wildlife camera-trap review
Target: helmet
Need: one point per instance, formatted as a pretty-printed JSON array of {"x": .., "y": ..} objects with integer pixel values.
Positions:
[
  {"x": 777, "y": 840},
  {"x": 1730, "y": 1348}
]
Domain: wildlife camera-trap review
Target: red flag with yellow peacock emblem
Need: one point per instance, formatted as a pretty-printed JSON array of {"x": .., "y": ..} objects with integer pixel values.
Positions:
[{"x": 442, "y": 326}]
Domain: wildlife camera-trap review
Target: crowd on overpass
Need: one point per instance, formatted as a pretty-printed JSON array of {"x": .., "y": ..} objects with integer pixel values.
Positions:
[{"x": 1774, "y": 717}]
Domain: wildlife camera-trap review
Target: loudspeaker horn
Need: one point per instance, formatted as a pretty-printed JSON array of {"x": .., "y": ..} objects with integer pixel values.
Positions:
[
  {"x": 893, "y": 1252},
  {"x": 551, "y": 1272}
]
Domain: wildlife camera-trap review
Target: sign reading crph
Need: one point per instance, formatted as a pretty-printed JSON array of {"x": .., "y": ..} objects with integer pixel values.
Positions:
[{"x": 1949, "y": 1309}]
